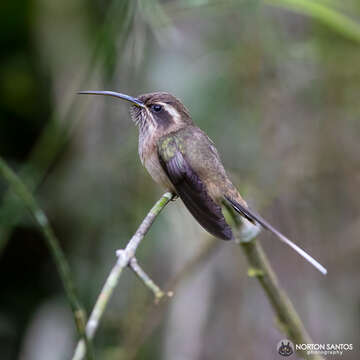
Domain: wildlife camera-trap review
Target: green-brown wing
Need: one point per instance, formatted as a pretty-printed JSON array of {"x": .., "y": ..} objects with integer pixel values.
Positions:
[{"x": 190, "y": 188}]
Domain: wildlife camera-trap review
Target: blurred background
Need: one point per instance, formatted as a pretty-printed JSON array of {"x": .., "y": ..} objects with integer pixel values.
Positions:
[{"x": 274, "y": 83}]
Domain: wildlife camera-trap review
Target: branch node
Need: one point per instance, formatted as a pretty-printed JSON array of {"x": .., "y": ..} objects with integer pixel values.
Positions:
[
  {"x": 123, "y": 259},
  {"x": 255, "y": 272},
  {"x": 41, "y": 218},
  {"x": 247, "y": 231}
]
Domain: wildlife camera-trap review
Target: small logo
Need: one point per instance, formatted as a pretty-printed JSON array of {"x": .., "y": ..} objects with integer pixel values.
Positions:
[{"x": 285, "y": 347}]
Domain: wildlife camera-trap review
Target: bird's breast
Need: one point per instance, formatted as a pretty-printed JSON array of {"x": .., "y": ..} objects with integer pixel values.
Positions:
[
  {"x": 150, "y": 160},
  {"x": 156, "y": 171}
]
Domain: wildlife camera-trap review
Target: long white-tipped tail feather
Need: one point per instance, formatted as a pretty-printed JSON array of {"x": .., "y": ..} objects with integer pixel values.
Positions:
[{"x": 252, "y": 216}]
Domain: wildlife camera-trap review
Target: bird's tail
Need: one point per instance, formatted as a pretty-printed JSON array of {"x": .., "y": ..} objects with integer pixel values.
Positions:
[{"x": 254, "y": 217}]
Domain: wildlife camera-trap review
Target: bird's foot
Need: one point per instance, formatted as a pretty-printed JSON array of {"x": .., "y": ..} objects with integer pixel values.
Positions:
[{"x": 174, "y": 196}]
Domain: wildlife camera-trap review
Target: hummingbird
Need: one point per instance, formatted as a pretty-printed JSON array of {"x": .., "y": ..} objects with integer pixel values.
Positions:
[{"x": 184, "y": 160}]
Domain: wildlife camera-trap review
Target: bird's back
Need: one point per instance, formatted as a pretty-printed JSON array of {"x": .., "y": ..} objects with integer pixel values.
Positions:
[{"x": 204, "y": 159}]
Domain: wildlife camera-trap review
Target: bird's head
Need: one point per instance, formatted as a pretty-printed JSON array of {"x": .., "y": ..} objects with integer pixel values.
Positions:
[{"x": 158, "y": 111}]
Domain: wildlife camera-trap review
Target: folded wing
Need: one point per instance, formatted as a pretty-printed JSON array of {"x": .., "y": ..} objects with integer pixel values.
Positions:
[{"x": 192, "y": 190}]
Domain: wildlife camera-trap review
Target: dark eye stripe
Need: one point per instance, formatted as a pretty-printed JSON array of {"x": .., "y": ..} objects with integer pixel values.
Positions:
[{"x": 162, "y": 117}]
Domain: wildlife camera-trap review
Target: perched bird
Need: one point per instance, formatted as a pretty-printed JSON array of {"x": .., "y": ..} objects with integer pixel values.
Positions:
[{"x": 182, "y": 158}]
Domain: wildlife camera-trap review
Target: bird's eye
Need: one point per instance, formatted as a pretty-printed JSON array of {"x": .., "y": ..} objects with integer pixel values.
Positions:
[{"x": 156, "y": 107}]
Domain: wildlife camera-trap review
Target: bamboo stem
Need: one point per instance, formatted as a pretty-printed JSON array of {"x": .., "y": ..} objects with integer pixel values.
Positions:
[
  {"x": 287, "y": 318},
  {"x": 60, "y": 260}
]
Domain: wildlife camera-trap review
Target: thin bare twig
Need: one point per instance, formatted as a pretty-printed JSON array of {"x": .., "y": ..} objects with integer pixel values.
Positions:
[
  {"x": 124, "y": 257},
  {"x": 154, "y": 313},
  {"x": 148, "y": 282}
]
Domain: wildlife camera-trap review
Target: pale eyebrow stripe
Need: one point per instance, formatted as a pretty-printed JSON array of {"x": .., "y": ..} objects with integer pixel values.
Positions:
[{"x": 172, "y": 111}]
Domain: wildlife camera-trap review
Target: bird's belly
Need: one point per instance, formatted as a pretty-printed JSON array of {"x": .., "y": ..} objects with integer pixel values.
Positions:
[{"x": 156, "y": 171}]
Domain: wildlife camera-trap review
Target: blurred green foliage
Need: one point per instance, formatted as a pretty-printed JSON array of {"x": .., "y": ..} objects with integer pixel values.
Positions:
[{"x": 274, "y": 83}]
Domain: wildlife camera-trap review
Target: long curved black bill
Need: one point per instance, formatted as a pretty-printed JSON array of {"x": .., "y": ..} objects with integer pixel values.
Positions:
[{"x": 115, "y": 94}]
